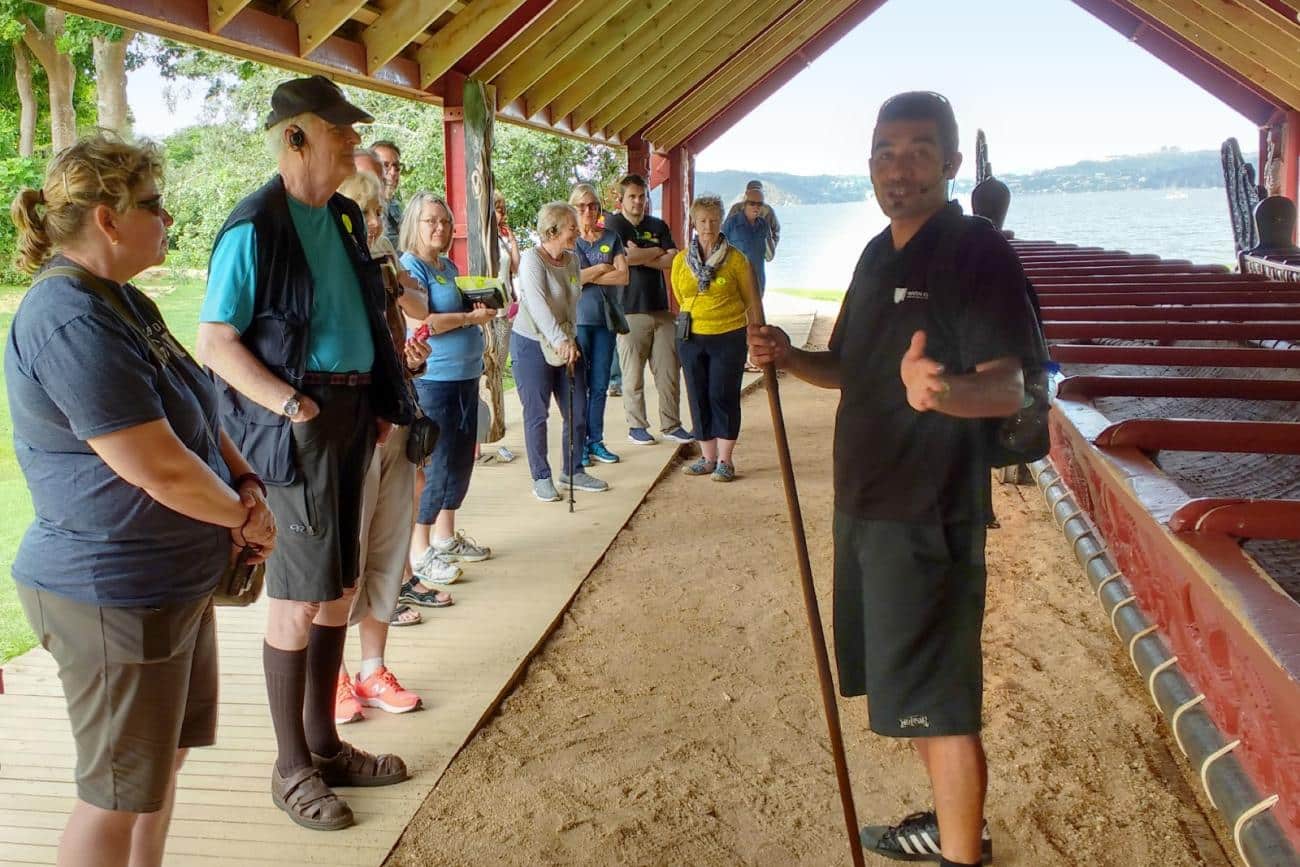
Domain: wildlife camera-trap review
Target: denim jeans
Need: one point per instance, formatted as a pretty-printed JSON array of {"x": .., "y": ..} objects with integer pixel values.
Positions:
[
  {"x": 454, "y": 406},
  {"x": 537, "y": 382},
  {"x": 597, "y": 345}
]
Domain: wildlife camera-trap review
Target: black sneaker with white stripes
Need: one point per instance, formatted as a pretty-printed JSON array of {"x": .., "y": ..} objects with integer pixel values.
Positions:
[{"x": 916, "y": 838}]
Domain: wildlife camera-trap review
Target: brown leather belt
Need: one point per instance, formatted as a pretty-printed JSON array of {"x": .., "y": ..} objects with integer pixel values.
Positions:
[{"x": 312, "y": 377}]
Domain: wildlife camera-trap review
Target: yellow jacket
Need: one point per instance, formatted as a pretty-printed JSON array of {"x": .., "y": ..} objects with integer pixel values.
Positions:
[{"x": 722, "y": 308}]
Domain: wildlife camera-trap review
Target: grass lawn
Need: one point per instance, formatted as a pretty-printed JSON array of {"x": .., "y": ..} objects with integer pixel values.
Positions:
[
  {"x": 814, "y": 294},
  {"x": 179, "y": 299}
]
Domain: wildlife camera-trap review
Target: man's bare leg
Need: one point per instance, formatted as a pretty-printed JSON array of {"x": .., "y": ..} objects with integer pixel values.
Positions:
[{"x": 959, "y": 778}]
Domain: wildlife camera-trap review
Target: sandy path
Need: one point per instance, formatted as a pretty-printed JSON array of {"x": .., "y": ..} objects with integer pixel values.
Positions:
[{"x": 674, "y": 719}]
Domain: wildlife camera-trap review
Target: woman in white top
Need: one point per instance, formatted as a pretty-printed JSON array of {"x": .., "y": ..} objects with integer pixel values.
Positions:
[{"x": 546, "y": 352}]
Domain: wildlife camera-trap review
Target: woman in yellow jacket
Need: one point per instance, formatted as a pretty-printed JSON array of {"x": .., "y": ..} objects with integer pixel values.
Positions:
[{"x": 715, "y": 289}]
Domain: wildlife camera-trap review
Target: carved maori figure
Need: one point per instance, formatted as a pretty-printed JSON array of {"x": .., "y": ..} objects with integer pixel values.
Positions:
[{"x": 1243, "y": 195}]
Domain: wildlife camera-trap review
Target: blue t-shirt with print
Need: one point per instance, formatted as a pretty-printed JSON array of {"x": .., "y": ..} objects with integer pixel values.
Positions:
[
  {"x": 74, "y": 371},
  {"x": 750, "y": 239},
  {"x": 591, "y": 304},
  {"x": 339, "y": 339},
  {"x": 457, "y": 354}
]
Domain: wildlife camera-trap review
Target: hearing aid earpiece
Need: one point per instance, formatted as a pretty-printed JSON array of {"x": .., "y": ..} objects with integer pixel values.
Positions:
[{"x": 297, "y": 138}]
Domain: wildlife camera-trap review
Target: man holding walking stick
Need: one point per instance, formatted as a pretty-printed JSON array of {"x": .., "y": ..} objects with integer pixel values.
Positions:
[{"x": 928, "y": 347}]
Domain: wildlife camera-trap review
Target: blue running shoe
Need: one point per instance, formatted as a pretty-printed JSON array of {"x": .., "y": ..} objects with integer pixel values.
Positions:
[
  {"x": 598, "y": 452},
  {"x": 640, "y": 436}
]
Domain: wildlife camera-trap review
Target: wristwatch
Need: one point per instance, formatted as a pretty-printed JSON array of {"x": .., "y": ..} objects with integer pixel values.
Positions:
[{"x": 292, "y": 405}]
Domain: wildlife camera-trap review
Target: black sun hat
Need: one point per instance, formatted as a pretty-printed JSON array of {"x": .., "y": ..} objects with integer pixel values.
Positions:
[{"x": 316, "y": 95}]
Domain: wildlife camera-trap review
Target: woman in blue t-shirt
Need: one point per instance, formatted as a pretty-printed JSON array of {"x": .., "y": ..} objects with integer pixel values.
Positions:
[
  {"x": 140, "y": 498},
  {"x": 602, "y": 264},
  {"x": 448, "y": 394}
]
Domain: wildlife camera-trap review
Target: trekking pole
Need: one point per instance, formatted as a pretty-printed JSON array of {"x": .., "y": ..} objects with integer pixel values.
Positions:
[
  {"x": 573, "y": 458},
  {"x": 812, "y": 609}
]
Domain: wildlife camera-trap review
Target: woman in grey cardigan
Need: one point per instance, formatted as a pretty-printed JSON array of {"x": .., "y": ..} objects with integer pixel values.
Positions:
[{"x": 546, "y": 352}]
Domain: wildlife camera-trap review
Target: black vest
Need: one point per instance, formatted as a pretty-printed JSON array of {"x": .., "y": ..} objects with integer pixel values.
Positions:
[{"x": 280, "y": 328}]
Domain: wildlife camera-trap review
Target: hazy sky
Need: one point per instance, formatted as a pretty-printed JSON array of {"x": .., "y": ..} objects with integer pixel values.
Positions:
[{"x": 1048, "y": 83}]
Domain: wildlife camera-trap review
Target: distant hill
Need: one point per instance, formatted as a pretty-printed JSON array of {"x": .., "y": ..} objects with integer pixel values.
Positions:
[{"x": 1169, "y": 168}]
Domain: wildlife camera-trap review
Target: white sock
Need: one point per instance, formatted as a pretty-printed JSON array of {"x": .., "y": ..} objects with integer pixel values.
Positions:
[
  {"x": 443, "y": 544},
  {"x": 369, "y": 667}
]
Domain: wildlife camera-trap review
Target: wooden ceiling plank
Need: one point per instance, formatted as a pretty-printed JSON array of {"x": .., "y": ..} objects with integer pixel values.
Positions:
[
  {"x": 394, "y": 29},
  {"x": 703, "y": 53},
  {"x": 1197, "y": 33},
  {"x": 526, "y": 39},
  {"x": 620, "y": 32},
  {"x": 221, "y": 11},
  {"x": 745, "y": 70},
  {"x": 455, "y": 38},
  {"x": 1271, "y": 47},
  {"x": 1261, "y": 24},
  {"x": 632, "y": 73},
  {"x": 544, "y": 54},
  {"x": 703, "y": 76},
  {"x": 318, "y": 19}
]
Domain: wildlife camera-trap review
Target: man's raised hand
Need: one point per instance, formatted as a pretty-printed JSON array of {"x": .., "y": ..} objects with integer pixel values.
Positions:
[{"x": 922, "y": 376}]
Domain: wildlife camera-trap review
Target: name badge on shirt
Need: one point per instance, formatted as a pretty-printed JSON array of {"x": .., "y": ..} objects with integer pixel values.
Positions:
[
  {"x": 902, "y": 293},
  {"x": 604, "y": 248},
  {"x": 441, "y": 279},
  {"x": 721, "y": 281}
]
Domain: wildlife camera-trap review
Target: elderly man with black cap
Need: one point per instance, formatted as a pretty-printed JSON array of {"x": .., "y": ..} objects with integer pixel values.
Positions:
[{"x": 293, "y": 327}]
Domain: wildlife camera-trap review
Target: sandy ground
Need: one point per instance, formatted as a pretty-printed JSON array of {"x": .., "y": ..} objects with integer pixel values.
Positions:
[{"x": 674, "y": 717}]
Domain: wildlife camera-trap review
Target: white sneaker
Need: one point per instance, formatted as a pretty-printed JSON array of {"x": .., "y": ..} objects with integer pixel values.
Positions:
[
  {"x": 437, "y": 570},
  {"x": 461, "y": 548}
]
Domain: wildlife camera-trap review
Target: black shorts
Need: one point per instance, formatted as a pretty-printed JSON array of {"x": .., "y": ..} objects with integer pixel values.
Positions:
[
  {"x": 909, "y": 608},
  {"x": 318, "y": 517}
]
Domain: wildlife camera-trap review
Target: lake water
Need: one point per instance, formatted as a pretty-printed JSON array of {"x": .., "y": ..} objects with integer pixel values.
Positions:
[{"x": 820, "y": 244}]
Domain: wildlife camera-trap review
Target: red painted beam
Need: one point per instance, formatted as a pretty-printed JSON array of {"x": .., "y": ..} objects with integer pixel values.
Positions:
[
  {"x": 1189, "y": 313},
  {"x": 1117, "y": 282},
  {"x": 1093, "y": 387},
  {"x": 1176, "y": 356},
  {"x": 1201, "y": 435},
  {"x": 1191, "y": 284},
  {"x": 453, "y": 138},
  {"x": 1173, "y": 330},
  {"x": 1136, "y": 270},
  {"x": 1049, "y": 300},
  {"x": 1234, "y": 90},
  {"x": 780, "y": 75},
  {"x": 1239, "y": 518}
]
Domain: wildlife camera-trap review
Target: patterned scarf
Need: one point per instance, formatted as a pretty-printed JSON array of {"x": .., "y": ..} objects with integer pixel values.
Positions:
[{"x": 705, "y": 270}]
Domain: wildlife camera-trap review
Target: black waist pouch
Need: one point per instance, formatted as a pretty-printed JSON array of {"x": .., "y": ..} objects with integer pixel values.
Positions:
[{"x": 682, "y": 326}]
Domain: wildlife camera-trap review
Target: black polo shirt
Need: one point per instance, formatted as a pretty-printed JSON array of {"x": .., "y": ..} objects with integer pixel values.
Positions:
[
  {"x": 959, "y": 281},
  {"x": 646, "y": 290}
]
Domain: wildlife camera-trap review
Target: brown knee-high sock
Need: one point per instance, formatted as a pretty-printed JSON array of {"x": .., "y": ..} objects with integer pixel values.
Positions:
[
  {"x": 286, "y": 678},
  {"x": 324, "y": 656}
]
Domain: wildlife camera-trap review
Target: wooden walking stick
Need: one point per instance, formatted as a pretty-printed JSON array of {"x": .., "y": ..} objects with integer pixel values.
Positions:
[
  {"x": 812, "y": 609},
  {"x": 574, "y": 466}
]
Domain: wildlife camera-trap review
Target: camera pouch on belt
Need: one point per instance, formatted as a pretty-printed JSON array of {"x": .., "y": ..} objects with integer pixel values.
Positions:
[{"x": 682, "y": 325}]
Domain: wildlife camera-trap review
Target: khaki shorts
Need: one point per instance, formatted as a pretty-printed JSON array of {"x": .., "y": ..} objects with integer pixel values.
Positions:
[{"x": 140, "y": 684}]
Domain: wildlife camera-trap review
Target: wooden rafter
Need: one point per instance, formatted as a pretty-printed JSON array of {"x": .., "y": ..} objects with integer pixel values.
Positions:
[
  {"x": 619, "y": 32},
  {"x": 318, "y": 19},
  {"x": 702, "y": 53},
  {"x": 544, "y": 54},
  {"x": 455, "y": 38},
  {"x": 221, "y": 11},
  {"x": 635, "y": 73},
  {"x": 1271, "y": 47},
  {"x": 394, "y": 29},
  {"x": 1198, "y": 32},
  {"x": 744, "y": 70},
  {"x": 525, "y": 39},
  {"x": 1260, "y": 23}
]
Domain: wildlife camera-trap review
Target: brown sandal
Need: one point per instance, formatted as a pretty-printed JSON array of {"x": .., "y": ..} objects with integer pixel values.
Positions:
[
  {"x": 309, "y": 802},
  {"x": 356, "y": 767}
]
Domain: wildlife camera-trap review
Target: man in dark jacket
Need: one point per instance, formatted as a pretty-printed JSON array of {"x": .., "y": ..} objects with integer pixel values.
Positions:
[{"x": 293, "y": 327}]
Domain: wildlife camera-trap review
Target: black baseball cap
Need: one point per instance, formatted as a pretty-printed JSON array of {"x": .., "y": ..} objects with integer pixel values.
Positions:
[{"x": 316, "y": 95}]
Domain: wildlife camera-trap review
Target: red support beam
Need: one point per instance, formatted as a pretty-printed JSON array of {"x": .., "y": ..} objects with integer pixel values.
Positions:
[
  {"x": 1239, "y": 518},
  {"x": 1235, "y": 91},
  {"x": 1200, "y": 435},
  {"x": 678, "y": 191},
  {"x": 1166, "y": 330},
  {"x": 1093, "y": 387},
  {"x": 453, "y": 137},
  {"x": 1186, "y": 313},
  {"x": 638, "y": 157},
  {"x": 1176, "y": 356},
  {"x": 781, "y": 74}
]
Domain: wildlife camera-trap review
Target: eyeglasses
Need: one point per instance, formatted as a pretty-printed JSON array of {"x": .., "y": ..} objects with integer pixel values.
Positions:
[
  {"x": 383, "y": 164},
  {"x": 750, "y": 203},
  {"x": 433, "y": 221},
  {"x": 588, "y": 206},
  {"x": 153, "y": 204}
]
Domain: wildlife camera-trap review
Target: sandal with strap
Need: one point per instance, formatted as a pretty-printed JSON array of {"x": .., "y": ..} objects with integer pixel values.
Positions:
[
  {"x": 405, "y": 615},
  {"x": 306, "y": 799},
  {"x": 356, "y": 767}
]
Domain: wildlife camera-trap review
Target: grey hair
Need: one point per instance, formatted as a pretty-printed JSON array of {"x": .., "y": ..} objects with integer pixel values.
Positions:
[
  {"x": 369, "y": 154},
  {"x": 410, "y": 229},
  {"x": 364, "y": 189},
  {"x": 709, "y": 201},
  {"x": 580, "y": 190},
  {"x": 275, "y": 142},
  {"x": 550, "y": 219}
]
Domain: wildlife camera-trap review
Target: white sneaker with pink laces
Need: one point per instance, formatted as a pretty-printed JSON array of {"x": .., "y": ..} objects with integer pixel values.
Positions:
[{"x": 382, "y": 690}]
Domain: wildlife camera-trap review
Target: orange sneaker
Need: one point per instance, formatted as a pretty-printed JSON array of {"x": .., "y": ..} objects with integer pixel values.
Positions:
[
  {"x": 346, "y": 707},
  {"x": 382, "y": 690}
]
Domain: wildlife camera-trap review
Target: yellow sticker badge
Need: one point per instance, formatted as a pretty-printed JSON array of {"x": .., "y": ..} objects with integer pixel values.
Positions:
[
  {"x": 721, "y": 281},
  {"x": 604, "y": 248},
  {"x": 441, "y": 279},
  {"x": 347, "y": 223}
]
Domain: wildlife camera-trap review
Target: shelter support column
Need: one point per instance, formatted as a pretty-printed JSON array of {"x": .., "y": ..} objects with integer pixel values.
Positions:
[
  {"x": 638, "y": 157},
  {"x": 1291, "y": 156},
  {"x": 679, "y": 190},
  {"x": 469, "y": 109}
]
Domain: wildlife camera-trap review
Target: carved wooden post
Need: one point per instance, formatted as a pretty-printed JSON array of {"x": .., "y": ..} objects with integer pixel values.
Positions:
[
  {"x": 480, "y": 217},
  {"x": 1243, "y": 195}
]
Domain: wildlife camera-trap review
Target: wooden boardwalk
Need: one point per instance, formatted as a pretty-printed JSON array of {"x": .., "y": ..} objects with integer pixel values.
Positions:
[{"x": 462, "y": 660}]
